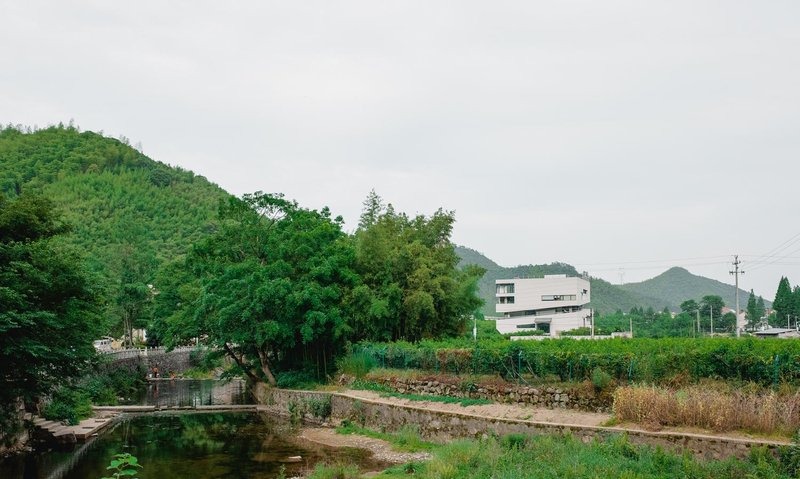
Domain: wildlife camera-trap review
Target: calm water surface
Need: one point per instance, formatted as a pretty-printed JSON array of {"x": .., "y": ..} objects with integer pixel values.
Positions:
[
  {"x": 189, "y": 445},
  {"x": 191, "y": 392}
]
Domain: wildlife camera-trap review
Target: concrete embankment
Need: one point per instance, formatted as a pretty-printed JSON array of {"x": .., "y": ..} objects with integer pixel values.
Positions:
[{"x": 445, "y": 425}]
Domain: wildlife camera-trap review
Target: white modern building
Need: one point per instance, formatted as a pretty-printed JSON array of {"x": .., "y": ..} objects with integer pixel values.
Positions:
[{"x": 551, "y": 304}]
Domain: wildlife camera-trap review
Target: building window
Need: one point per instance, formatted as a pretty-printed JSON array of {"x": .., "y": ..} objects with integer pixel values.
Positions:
[
  {"x": 559, "y": 297},
  {"x": 505, "y": 288},
  {"x": 505, "y": 300}
]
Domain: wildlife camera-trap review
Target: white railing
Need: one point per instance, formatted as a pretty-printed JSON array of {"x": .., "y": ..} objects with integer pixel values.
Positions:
[{"x": 118, "y": 354}]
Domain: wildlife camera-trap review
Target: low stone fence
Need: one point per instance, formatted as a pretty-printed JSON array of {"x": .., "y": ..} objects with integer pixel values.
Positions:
[
  {"x": 443, "y": 426},
  {"x": 575, "y": 397}
]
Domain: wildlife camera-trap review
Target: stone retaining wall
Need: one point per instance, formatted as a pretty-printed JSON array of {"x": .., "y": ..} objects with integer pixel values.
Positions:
[
  {"x": 443, "y": 426},
  {"x": 575, "y": 397},
  {"x": 176, "y": 361}
]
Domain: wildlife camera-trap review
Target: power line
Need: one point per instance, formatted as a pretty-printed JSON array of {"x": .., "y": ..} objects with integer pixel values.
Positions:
[
  {"x": 776, "y": 250},
  {"x": 773, "y": 262},
  {"x": 578, "y": 263}
]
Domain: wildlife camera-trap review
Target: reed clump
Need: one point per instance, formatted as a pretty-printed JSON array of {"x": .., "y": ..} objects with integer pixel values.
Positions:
[{"x": 716, "y": 409}]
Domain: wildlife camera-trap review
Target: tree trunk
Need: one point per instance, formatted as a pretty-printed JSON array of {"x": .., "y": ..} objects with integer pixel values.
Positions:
[
  {"x": 262, "y": 355},
  {"x": 240, "y": 362}
]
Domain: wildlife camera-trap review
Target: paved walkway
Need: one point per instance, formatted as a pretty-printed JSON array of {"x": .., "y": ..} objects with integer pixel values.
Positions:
[{"x": 79, "y": 432}]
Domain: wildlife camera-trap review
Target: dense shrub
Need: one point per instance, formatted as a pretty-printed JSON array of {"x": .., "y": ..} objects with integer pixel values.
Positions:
[
  {"x": 601, "y": 379},
  {"x": 68, "y": 404},
  {"x": 105, "y": 388},
  {"x": 356, "y": 364},
  {"x": 296, "y": 380},
  {"x": 634, "y": 360}
]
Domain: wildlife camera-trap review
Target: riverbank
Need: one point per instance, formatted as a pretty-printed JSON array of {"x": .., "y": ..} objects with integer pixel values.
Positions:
[{"x": 447, "y": 422}]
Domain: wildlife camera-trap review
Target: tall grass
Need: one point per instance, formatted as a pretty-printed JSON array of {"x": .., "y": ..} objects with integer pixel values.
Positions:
[
  {"x": 701, "y": 406},
  {"x": 356, "y": 364},
  {"x": 555, "y": 456}
]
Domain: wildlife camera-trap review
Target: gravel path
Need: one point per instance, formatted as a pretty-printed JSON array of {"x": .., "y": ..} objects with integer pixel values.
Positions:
[{"x": 507, "y": 411}]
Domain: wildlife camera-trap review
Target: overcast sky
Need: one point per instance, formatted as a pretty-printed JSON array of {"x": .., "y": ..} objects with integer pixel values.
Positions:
[{"x": 614, "y": 134}]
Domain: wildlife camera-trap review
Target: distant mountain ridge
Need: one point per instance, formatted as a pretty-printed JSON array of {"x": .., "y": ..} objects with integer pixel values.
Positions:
[{"x": 669, "y": 289}]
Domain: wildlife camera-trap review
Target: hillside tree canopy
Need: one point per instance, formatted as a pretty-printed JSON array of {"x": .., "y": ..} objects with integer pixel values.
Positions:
[
  {"x": 272, "y": 286},
  {"x": 49, "y": 308},
  {"x": 411, "y": 287}
]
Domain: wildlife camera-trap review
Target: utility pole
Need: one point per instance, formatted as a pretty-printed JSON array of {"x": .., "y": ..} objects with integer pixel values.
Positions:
[
  {"x": 699, "y": 332},
  {"x": 630, "y": 318},
  {"x": 736, "y": 274},
  {"x": 711, "y": 312}
]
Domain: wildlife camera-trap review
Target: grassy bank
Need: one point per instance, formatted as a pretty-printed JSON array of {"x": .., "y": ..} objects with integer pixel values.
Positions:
[{"x": 553, "y": 456}]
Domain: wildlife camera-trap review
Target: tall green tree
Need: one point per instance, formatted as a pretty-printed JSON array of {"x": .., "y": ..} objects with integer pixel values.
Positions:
[
  {"x": 133, "y": 293},
  {"x": 690, "y": 306},
  {"x": 711, "y": 306},
  {"x": 273, "y": 285},
  {"x": 411, "y": 288},
  {"x": 49, "y": 306},
  {"x": 761, "y": 308},
  {"x": 784, "y": 301},
  {"x": 753, "y": 314}
]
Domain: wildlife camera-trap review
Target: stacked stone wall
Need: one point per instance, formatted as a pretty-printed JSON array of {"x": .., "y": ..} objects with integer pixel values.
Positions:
[
  {"x": 569, "y": 397},
  {"x": 173, "y": 361}
]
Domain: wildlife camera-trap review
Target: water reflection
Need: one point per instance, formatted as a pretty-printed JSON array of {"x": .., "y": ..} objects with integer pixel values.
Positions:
[
  {"x": 191, "y": 392},
  {"x": 210, "y": 445}
]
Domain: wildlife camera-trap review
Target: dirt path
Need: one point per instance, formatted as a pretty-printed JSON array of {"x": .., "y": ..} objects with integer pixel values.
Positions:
[
  {"x": 496, "y": 410},
  {"x": 381, "y": 450}
]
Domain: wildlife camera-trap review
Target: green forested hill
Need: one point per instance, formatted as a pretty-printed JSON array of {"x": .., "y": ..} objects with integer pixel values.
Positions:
[
  {"x": 676, "y": 285},
  {"x": 128, "y": 213},
  {"x": 668, "y": 289}
]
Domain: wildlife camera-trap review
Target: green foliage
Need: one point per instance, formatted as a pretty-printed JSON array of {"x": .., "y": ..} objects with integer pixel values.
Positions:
[
  {"x": 319, "y": 406},
  {"x": 411, "y": 288},
  {"x": 582, "y": 331},
  {"x": 755, "y": 310},
  {"x": 356, "y": 365},
  {"x": 638, "y": 360},
  {"x": 649, "y": 324},
  {"x": 119, "y": 203},
  {"x": 296, "y": 380},
  {"x": 790, "y": 457},
  {"x": 406, "y": 439},
  {"x": 556, "y": 456},
  {"x": 48, "y": 305},
  {"x": 514, "y": 441},
  {"x": 389, "y": 392},
  {"x": 784, "y": 301},
  {"x": 104, "y": 388},
  {"x": 68, "y": 404},
  {"x": 271, "y": 287},
  {"x": 123, "y": 465},
  {"x": 601, "y": 379},
  {"x": 335, "y": 471}
]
